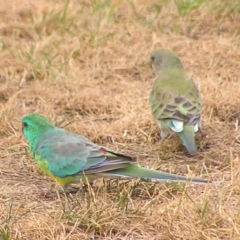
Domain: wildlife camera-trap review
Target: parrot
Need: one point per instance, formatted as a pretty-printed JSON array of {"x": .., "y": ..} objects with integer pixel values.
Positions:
[
  {"x": 175, "y": 100},
  {"x": 67, "y": 157}
]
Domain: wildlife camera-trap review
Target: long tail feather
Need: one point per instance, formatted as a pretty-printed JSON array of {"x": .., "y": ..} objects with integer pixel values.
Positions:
[
  {"x": 139, "y": 172},
  {"x": 188, "y": 138}
]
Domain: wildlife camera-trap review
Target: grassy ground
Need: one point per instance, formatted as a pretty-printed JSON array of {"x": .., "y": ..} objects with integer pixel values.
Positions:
[{"x": 85, "y": 65}]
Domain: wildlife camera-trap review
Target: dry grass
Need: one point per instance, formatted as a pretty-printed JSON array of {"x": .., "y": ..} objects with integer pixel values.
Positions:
[{"x": 84, "y": 64}]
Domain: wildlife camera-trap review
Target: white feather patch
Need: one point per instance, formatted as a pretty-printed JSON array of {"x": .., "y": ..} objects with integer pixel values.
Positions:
[
  {"x": 177, "y": 126},
  {"x": 196, "y": 127}
]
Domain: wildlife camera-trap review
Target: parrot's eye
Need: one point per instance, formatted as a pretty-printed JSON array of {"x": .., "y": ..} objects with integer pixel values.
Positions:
[
  {"x": 25, "y": 124},
  {"x": 152, "y": 58}
]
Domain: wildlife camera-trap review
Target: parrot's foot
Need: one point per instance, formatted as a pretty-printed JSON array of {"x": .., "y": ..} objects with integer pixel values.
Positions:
[
  {"x": 86, "y": 185},
  {"x": 163, "y": 137},
  {"x": 71, "y": 190},
  {"x": 74, "y": 189},
  {"x": 162, "y": 140},
  {"x": 203, "y": 135}
]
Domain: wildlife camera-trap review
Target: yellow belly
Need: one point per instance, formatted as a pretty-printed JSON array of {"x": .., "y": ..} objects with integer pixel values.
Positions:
[{"x": 62, "y": 181}]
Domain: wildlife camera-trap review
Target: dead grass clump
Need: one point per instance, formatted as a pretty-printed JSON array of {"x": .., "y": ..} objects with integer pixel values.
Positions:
[{"x": 85, "y": 66}]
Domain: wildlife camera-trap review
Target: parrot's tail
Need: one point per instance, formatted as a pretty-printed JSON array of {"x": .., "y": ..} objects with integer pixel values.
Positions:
[
  {"x": 188, "y": 138},
  {"x": 135, "y": 171}
]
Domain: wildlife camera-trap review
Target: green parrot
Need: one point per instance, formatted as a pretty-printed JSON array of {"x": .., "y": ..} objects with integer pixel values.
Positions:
[
  {"x": 68, "y": 157},
  {"x": 175, "y": 99}
]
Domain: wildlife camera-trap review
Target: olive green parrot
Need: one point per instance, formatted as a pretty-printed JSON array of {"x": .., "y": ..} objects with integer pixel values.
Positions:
[{"x": 175, "y": 99}]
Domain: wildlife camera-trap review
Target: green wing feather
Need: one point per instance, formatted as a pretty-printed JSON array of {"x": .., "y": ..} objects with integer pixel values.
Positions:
[{"x": 69, "y": 154}]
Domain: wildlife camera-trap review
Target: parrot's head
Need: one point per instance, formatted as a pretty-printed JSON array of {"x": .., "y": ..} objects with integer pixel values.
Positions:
[
  {"x": 33, "y": 126},
  {"x": 162, "y": 58}
]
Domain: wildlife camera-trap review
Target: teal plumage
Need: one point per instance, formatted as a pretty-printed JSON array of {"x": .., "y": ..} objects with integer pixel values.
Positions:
[{"x": 68, "y": 157}]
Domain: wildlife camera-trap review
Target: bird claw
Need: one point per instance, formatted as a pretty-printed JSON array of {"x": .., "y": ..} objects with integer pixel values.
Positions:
[
  {"x": 203, "y": 135},
  {"x": 73, "y": 190},
  {"x": 86, "y": 185},
  {"x": 163, "y": 137},
  {"x": 162, "y": 140}
]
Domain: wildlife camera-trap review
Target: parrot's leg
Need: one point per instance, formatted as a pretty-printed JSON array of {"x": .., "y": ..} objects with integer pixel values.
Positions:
[
  {"x": 164, "y": 133},
  {"x": 164, "y": 136},
  {"x": 85, "y": 185},
  {"x": 204, "y": 135}
]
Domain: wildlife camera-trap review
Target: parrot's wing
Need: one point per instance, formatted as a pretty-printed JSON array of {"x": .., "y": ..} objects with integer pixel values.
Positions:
[
  {"x": 68, "y": 154},
  {"x": 167, "y": 105}
]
